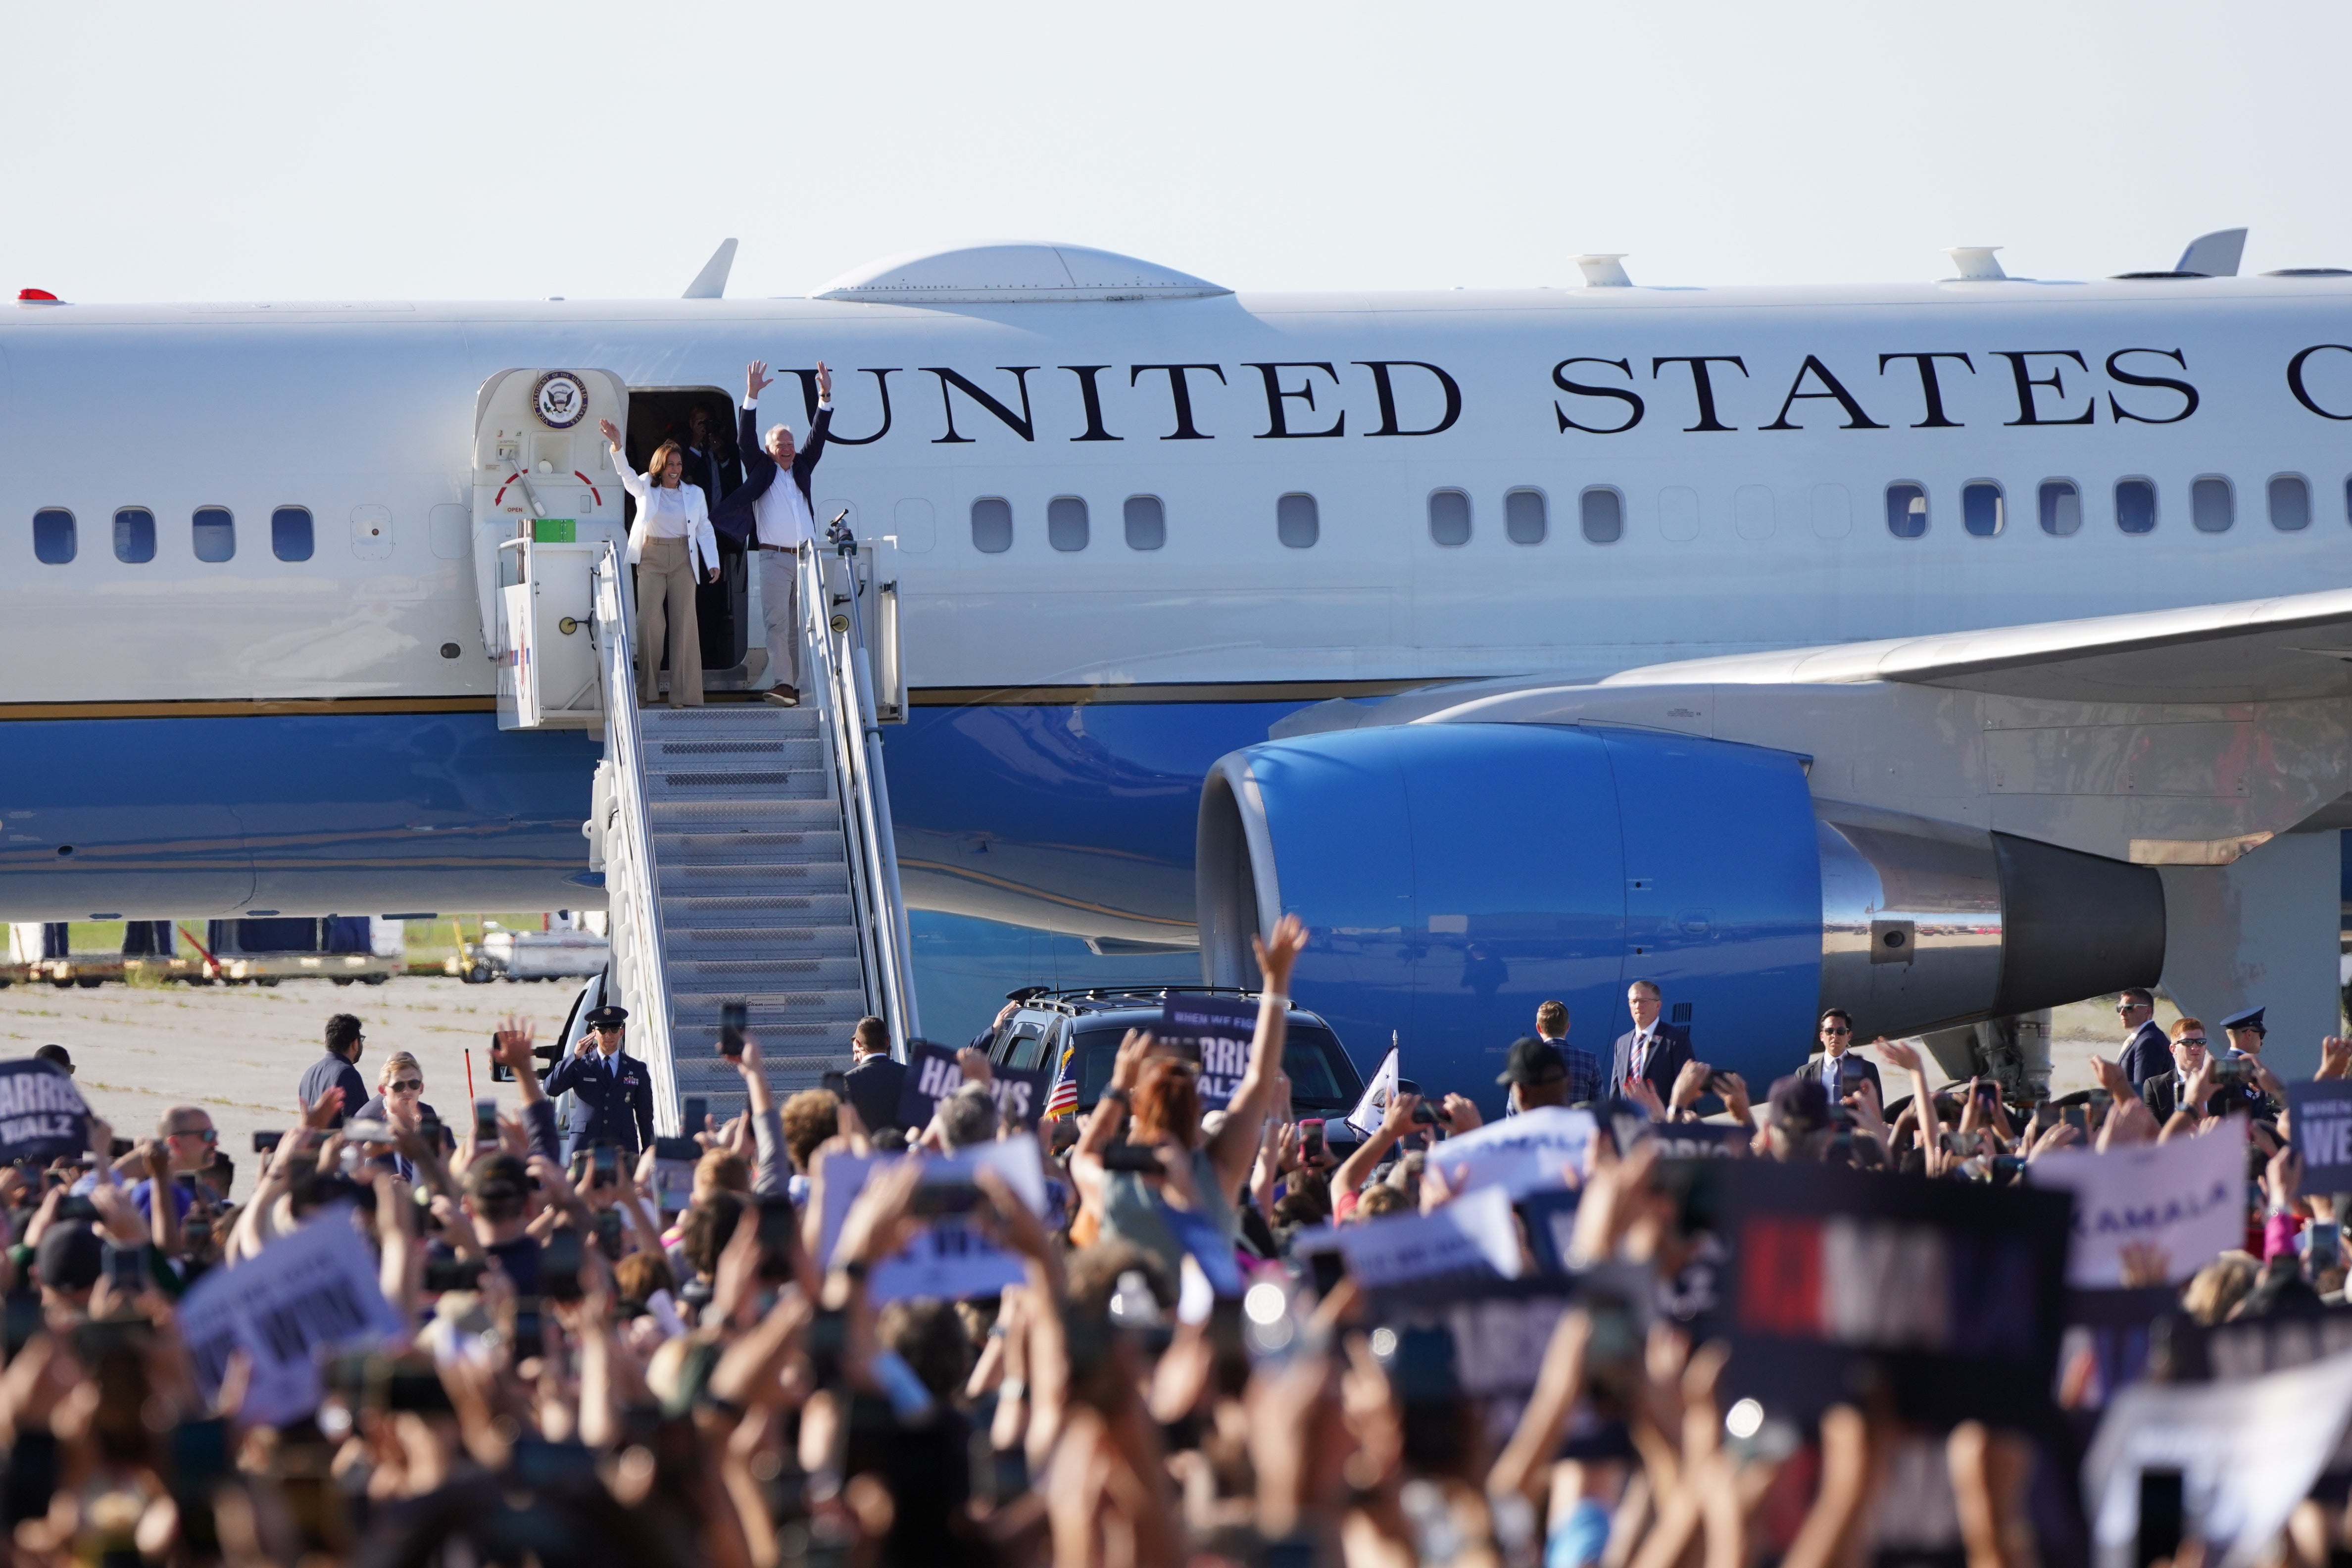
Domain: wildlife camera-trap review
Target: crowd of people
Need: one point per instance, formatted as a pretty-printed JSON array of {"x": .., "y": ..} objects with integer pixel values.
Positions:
[{"x": 1145, "y": 1332}]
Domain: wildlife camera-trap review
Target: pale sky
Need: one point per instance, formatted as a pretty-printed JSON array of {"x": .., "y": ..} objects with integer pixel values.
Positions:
[{"x": 490, "y": 150}]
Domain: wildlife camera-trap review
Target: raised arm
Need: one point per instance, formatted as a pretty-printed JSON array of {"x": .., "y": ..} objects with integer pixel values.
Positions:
[
  {"x": 631, "y": 481},
  {"x": 1236, "y": 1145}
]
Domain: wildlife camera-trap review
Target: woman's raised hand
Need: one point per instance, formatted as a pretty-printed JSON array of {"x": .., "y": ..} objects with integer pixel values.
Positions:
[{"x": 612, "y": 432}]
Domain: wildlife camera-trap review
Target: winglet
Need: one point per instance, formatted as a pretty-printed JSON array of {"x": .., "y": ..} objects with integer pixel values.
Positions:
[
  {"x": 2213, "y": 255},
  {"x": 710, "y": 283}
]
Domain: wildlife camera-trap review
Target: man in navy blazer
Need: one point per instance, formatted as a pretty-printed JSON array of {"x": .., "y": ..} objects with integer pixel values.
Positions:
[
  {"x": 2146, "y": 1054},
  {"x": 1651, "y": 1050},
  {"x": 612, "y": 1092},
  {"x": 776, "y": 519}
]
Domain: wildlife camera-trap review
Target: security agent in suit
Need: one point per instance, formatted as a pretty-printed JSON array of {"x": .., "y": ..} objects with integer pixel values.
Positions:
[
  {"x": 1836, "y": 1068},
  {"x": 2146, "y": 1054},
  {"x": 1651, "y": 1050},
  {"x": 2164, "y": 1094},
  {"x": 874, "y": 1080},
  {"x": 775, "y": 520},
  {"x": 612, "y": 1093}
]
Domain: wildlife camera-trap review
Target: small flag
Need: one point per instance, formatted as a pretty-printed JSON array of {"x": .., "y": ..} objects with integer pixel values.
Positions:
[
  {"x": 1366, "y": 1117},
  {"x": 1064, "y": 1100}
]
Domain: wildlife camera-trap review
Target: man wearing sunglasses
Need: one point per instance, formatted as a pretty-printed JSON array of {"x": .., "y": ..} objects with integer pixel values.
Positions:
[
  {"x": 187, "y": 1137},
  {"x": 1839, "y": 1071},
  {"x": 2146, "y": 1054}
]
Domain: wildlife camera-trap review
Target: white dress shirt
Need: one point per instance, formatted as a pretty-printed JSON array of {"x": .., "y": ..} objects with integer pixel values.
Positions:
[{"x": 780, "y": 516}]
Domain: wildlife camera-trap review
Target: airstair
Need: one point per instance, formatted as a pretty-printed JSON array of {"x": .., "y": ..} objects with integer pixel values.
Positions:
[{"x": 746, "y": 849}]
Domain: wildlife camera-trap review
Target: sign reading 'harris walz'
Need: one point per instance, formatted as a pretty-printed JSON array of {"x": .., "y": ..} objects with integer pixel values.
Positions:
[
  {"x": 1590, "y": 395},
  {"x": 42, "y": 1116},
  {"x": 1215, "y": 1032}
]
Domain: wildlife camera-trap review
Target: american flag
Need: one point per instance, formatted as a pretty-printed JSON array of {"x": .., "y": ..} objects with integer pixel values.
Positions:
[{"x": 1064, "y": 1100}]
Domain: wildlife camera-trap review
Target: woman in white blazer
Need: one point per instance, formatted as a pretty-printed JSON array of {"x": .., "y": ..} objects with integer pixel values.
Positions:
[{"x": 670, "y": 544}]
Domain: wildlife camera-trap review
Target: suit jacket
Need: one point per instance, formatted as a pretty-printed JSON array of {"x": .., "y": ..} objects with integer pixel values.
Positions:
[
  {"x": 714, "y": 474},
  {"x": 331, "y": 1071},
  {"x": 736, "y": 514},
  {"x": 2161, "y": 1095},
  {"x": 610, "y": 1103},
  {"x": 2147, "y": 1055},
  {"x": 1856, "y": 1069},
  {"x": 1668, "y": 1052},
  {"x": 874, "y": 1086}
]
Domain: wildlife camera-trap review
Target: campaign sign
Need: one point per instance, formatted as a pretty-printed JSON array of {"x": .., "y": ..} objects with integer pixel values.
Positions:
[
  {"x": 42, "y": 1117},
  {"x": 1833, "y": 1282},
  {"x": 2186, "y": 1198},
  {"x": 1521, "y": 1154},
  {"x": 2321, "y": 1116},
  {"x": 305, "y": 1293},
  {"x": 1699, "y": 1139},
  {"x": 2118, "y": 1331},
  {"x": 1214, "y": 1032},
  {"x": 1470, "y": 1235},
  {"x": 951, "y": 1257},
  {"x": 933, "y": 1075}
]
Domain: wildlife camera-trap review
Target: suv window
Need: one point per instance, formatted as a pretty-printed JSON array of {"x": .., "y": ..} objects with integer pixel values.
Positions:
[{"x": 1026, "y": 1047}]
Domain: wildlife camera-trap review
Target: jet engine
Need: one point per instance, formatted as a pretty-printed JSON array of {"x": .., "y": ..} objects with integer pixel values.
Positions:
[{"x": 1455, "y": 875}]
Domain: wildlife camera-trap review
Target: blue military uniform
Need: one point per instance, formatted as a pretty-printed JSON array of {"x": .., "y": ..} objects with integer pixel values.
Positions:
[{"x": 612, "y": 1095}]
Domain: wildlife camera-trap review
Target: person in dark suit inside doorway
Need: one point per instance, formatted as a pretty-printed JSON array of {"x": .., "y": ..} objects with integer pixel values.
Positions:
[
  {"x": 1838, "y": 1068},
  {"x": 874, "y": 1080},
  {"x": 612, "y": 1093},
  {"x": 1651, "y": 1050},
  {"x": 773, "y": 517},
  {"x": 2146, "y": 1054}
]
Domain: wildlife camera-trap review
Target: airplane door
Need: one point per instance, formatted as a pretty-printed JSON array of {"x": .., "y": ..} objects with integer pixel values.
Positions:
[{"x": 546, "y": 500}]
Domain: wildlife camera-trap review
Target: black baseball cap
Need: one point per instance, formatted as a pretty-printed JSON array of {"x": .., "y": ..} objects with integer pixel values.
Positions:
[
  {"x": 69, "y": 1257},
  {"x": 1533, "y": 1061},
  {"x": 56, "y": 1055},
  {"x": 1800, "y": 1103}
]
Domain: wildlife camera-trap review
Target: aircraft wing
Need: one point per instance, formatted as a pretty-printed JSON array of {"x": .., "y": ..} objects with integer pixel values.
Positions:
[{"x": 2256, "y": 650}]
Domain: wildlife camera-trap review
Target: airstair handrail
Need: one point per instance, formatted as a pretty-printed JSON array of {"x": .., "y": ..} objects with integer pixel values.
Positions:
[
  {"x": 635, "y": 910},
  {"x": 833, "y": 639}
]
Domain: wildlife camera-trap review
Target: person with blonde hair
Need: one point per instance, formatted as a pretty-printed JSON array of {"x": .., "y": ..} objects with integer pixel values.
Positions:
[
  {"x": 399, "y": 1095},
  {"x": 672, "y": 547}
]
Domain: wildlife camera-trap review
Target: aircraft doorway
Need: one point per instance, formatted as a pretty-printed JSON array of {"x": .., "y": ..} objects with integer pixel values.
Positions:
[{"x": 661, "y": 414}]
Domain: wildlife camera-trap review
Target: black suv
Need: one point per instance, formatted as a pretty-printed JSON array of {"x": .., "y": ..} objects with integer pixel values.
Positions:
[{"x": 1323, "y": 1081}]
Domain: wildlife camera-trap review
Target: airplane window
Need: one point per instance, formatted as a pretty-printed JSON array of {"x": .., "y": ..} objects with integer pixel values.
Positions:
[
  {"x": 1602, "y": 513},
  {"x": 2211, "y": 508},
  {"x": 1297, "y": 520},
  {"x": 1525, "y": 517},
  {"x": 1066, "y": 523},
  {"x": 215, "y": 534},
  {"x": 2290, "y": 503},
  {"x": 992, "y": 525},
  {"x": 53, "y": 536},
  {"x": 2062, "y": 506},
  {"x": 2135, "y": 506},
  {"x": 1449, "y": 518},
  {"x": 1982, "y": 512},
  {"x": 290, "y": 533},
  {"x": 1906, "y": 510},
  {"x": 134, "y": 535},
  {"x": 1147, "y": 522}
]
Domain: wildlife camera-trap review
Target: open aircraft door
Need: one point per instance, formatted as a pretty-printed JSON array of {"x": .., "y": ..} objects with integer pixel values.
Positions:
[{"x": 546, "y": 501}]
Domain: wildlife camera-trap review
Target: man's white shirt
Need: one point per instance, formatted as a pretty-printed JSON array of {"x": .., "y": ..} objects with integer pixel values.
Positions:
[{"x": 781, "y": 517}]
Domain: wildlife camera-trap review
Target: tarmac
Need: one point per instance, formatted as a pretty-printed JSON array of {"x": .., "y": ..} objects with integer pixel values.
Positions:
[{"x": 238, "y": 1051}]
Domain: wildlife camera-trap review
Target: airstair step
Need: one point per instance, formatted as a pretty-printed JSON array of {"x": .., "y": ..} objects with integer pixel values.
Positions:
[
  {"x": 685, "y": 782},
  {"x": 716, "y": 873},
  {"x": 705, "y": 971},
  {"x": 779, "y": 936},
  {"x": 786, "y": 977},
  {"x": 731, "y": 721},
  {"x": 735, "y": 910},
  {"x": 769, "y": 1008},
  {"x": 740, "y": 815}
]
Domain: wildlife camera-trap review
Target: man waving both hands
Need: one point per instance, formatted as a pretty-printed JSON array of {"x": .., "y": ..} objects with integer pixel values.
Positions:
[{"x": 775, "y": 520}]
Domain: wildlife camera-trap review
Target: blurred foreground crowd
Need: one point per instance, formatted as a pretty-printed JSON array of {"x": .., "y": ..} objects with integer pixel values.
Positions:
[{"x": 1618, "y": 1325}]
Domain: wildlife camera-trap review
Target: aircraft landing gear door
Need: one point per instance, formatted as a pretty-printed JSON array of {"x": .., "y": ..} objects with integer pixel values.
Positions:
[{"x": 546, "y": 500}]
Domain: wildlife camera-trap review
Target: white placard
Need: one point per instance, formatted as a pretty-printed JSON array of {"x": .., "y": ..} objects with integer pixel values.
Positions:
[
  {"x": 2187, "y": 1197},
  {"x": 2247, "y": 1453},
  {"x": 1472, "y": 1234},
  {"x": 1521, "y": 1154},
  {"x": 951, "y": 1259},
  {"x": 311, "y": 1290}
]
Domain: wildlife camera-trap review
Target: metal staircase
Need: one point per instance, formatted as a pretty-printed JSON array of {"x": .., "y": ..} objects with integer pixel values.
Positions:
[{"x": 746, "y": 850}]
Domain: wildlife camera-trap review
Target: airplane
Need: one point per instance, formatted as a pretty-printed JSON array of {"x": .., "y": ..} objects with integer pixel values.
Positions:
[{"x": 1947, "y": 650}]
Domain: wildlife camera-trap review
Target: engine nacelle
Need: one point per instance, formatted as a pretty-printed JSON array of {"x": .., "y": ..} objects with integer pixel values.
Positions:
[{"x": 1455, "y": 875}]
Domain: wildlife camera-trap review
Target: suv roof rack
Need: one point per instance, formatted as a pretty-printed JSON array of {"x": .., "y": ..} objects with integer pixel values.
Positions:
[{"x": 1110, "y": 993}]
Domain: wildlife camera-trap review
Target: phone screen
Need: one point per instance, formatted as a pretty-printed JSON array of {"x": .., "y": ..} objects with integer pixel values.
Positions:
[
  {"x": 731, "y": 1018},
  {"x": 485, "y": 1122},
  {"x": 605, "y": 1171},
  {"x": 698, "y": 1111}
]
